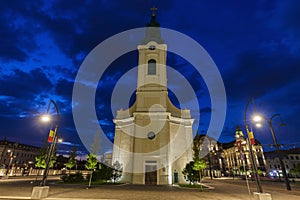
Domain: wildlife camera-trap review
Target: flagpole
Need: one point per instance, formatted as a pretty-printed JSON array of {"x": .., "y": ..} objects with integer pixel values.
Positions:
[{"x": 253, "y": 163}]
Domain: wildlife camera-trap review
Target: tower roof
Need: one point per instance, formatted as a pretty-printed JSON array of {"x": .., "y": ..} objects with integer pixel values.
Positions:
[
  {"x": 153, "y": 22},
  {"x": 238, "y": 132},
  {"x": 152, "y": 30}
]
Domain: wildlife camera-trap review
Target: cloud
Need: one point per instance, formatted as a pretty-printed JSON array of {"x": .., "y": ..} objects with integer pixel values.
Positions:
[
  {"x": 255, "y": 45},
  {"x": 20, "y": 84},
  {"x": 24, "y": 93},
  {"x": 284, "y": 20},
  {"x": 256, "y": 74},
  {"x": 64, "y": 89},
  {"x": 106, "y": 122},
  {"x": 18, "y": 29}
]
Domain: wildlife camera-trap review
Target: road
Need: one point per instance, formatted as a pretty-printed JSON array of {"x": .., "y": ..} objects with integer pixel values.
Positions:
[{"x": 223, "y": 189}]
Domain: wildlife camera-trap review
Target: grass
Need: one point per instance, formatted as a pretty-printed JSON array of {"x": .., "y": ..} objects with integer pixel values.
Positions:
[
  {"x": 86, "y": 182},
  {"x": 192, "y": 186},
  {"x": 101, "y": 182}
]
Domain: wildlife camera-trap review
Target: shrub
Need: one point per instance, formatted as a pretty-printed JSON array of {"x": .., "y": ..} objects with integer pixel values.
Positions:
[
  {"x": 72, "y": 178},
  {"x": 96, "y": 176}
]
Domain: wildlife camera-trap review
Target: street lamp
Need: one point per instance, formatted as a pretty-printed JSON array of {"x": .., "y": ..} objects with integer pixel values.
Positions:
[
  {"x": 209, "y": 159},
  {"x": 259, "y": 118},
  {"x": 12, "y": 156},
  {"x": 46, "y": 118},
  {"x": 258, "y": 184}
]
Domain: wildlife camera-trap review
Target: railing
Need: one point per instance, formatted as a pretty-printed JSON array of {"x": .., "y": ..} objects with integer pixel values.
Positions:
[{"x": 40, "y": 172}]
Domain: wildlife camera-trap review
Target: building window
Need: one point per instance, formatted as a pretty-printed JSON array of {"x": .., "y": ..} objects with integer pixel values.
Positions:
[
  {"x": 297, "y": 157},
  {"x": 151, "y": 67},
  {"x": 260, "y": 161},
  {"x": 287, "y": 166},
  {"x": 292, "y": 157}
]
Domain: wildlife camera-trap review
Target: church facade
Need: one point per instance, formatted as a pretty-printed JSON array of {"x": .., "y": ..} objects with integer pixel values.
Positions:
[{"x": 153, "y": 138}]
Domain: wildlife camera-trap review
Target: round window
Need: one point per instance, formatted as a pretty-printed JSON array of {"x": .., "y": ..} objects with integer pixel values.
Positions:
[{"x": 151, "y": 135}]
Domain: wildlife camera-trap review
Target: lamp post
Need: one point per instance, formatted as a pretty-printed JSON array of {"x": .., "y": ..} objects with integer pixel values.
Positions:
[
  {"x": 257, "y": 180},
  {"x": 258, "y": 118},
  {"x": 12, "y": 156},
  {"x": 210, "y": 169},
  {"x": 46, "y": 118},
  {"x": 209, "y": 158}
]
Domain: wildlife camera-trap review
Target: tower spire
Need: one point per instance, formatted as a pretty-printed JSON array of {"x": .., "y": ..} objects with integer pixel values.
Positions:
[
  {"x": 153, "y": 9},
  {"x": 153, "y": 22},
  {"x": 152, "y": 31}
]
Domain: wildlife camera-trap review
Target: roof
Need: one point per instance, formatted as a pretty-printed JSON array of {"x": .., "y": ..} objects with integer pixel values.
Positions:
[
  {"x": 288, "y": 151},
  {"x": 153, "y": 32},
  {"x": 228, "y": 145},
  {"x": 170, "y": 107},
  {"x": 17, "y": 144}
]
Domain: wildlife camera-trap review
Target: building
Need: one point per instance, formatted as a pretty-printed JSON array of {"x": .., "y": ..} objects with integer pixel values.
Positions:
[
  {"x": 234, "y": 159},
  {"x": 107, "y": 158},
  {"x": 211, "y": 151},
  {"x": 225, "y": 158},
  {"x": 17, "y": 156},
  {"x": 290, "y": 158},
  {"x": 152, "y": 138}
]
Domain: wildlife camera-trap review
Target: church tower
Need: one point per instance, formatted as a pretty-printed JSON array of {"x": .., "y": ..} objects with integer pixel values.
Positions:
[{"x": 152, "y": 138}]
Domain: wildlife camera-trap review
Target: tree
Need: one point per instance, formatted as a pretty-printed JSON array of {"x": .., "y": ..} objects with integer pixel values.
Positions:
[
  {"x": 41, "y": 159},
  {"x": 72, "y": 159},
  {"x": 91, "y": 164},
  {"x": 298, "y": 167},
  {"x": 199, "y": 165},
  {"x": 196, "y": 147},
  {"x": 116, "y": 171},
  {"x": 259, "y": 172},
  {"x": 105, "y": 172},
  {"x": 189, "y": 173},
  {"x": 193, "y": 170},
  {"x": 294, "y": 172}
]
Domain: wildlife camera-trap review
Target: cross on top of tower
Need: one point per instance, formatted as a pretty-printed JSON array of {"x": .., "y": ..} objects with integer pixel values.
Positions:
[{"x": 153, "y": 9}]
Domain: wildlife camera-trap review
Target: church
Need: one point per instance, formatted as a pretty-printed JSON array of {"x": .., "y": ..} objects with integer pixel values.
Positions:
[{"x": 153, "y": 137}]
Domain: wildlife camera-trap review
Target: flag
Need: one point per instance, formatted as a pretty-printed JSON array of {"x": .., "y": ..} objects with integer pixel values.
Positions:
[
  {"x": 251, "y": 138},
  {"x": 50, "y": 136}
]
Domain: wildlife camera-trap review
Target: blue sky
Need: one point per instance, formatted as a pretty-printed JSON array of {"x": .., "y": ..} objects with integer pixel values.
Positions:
[{"x": 255, "y": 44}]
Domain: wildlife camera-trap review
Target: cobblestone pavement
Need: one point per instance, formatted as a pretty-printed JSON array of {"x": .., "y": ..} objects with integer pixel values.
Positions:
[{"x": 222, "y": 189}]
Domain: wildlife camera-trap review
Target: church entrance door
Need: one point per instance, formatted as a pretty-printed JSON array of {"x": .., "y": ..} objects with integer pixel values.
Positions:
[{"x": 151, "y": 174}]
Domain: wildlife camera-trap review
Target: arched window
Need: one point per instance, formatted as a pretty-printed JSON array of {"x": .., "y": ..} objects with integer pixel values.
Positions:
[{"x": 151, "y": 67}]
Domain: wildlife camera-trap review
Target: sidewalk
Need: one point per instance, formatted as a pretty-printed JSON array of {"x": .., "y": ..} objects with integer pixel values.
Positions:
[{"x": 21, "y": 189}]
